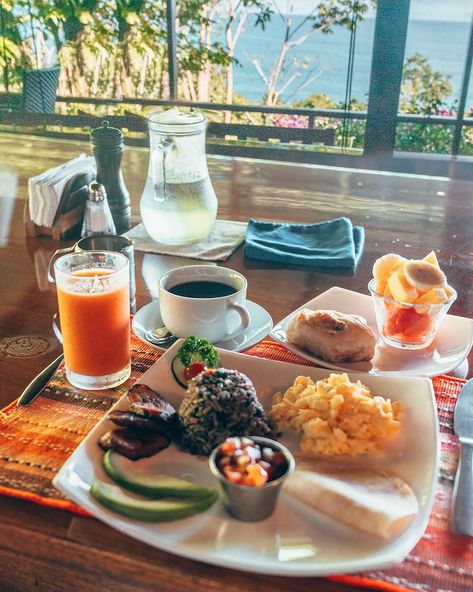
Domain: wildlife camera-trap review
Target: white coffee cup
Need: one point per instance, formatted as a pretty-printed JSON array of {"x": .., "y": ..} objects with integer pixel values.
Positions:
[{"x": 215, "y": 318}]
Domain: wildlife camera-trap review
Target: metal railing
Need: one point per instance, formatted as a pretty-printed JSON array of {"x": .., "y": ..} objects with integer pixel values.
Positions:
[{"x": 139, "y": 123}]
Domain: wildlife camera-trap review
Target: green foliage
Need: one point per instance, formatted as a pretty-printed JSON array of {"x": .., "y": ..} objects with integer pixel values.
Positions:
[
  {"x": 193, "y": 58},
  {"x": 316, "y": 101},
  {"x": 13, "y": 59},
  {"x": 423, "y": 90},
  {"x": 466, "y": 143},
  {"x": 355, "y": 105},
  {"x": 196, "y": 51},
  {"x": 141, "y": 50},
  {"x": 337, "y": 13},
  {"x": 263, "y": 16},
  {"x": 421, "y": 137}
]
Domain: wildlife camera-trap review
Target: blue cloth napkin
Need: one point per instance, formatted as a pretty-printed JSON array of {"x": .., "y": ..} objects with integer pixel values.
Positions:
[{"x": 333, "y": 243}]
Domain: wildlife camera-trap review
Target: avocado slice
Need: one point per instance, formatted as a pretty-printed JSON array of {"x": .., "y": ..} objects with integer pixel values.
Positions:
[
  {"x": 151, "y": 486},
  {"x": 113, "y": 498}
]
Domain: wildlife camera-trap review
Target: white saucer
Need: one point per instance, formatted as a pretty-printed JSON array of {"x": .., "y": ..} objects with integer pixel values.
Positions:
[
  {"x": 449, "y": 349},
  {"x": 149, "y": 317}
]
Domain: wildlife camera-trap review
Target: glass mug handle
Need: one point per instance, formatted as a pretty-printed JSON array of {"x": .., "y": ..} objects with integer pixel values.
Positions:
[
  {"x": 51, "y": 277},
  {"x": 245, "y": 319},
  {"x": 163, "y": 146}
]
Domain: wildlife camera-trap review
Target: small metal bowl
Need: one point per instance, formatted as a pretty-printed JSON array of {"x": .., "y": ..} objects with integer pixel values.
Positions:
[{"x": 250, "y": 503}]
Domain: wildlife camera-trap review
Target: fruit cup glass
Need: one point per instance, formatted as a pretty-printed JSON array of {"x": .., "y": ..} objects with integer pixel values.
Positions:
[
  {"x": 406, "y": 325},
  {"x": 94, "y": 309}
]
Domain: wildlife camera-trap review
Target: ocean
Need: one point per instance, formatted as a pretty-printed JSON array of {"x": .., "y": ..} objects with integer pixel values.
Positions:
[{"x": 444, "y": 44}]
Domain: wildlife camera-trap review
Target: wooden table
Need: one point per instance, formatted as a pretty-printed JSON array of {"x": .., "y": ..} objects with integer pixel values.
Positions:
[{"x": 49, "y": 550}]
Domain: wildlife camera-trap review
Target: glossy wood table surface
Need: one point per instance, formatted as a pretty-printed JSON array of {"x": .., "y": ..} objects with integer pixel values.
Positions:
[{"x": 49, "y": 550}]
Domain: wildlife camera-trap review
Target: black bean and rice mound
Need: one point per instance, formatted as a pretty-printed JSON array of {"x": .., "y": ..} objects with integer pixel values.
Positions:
[{"x": 218, "y": 404}]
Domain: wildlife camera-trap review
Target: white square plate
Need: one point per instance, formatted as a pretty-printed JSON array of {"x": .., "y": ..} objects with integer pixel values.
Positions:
[
  {"x": 448, "y": 350},
  {"x": 294, "y": 541}
]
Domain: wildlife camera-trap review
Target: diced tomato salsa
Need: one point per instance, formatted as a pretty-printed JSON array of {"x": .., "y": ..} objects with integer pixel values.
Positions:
[{"x": 242, "y": 460}]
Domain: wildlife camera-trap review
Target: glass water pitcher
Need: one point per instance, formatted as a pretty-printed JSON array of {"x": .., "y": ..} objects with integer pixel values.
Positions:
[{"x": 178, "y": 205}]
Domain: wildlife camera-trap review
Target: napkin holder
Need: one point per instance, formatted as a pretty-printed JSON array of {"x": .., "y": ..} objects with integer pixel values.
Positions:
[{"x": 67, "y": 222}]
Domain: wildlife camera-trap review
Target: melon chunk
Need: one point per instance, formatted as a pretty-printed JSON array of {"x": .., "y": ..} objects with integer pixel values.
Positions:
[
  {"x": 433, "y": 296},
  {"x": 400, "y": 288},
  {"x": 432, "y": 258},
  {"x": 384, "y": 267},
  {"x": 449, "y": 291}
]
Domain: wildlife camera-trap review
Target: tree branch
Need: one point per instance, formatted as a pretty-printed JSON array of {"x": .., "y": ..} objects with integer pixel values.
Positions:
[
  {"x": 277, "y": 11},
  {"x": 302, "y": 39},
  {"x": 240, "y": 26},
  {"x": 310, "y": 77},
  {"x": 286, "y": 84},
  {"x": 303, "y": 22},
  {"x": 257, "y": 64}
]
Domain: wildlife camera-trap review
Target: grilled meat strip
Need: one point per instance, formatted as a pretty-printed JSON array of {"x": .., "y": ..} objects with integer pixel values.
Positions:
[
  {"x": 134, "y": 445},
  {"x": 127, "y": 419},
  {"x": 151, "y": 405}
]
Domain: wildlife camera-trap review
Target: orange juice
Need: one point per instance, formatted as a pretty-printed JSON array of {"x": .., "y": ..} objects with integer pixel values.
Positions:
[{"x": 95, "y": 326}]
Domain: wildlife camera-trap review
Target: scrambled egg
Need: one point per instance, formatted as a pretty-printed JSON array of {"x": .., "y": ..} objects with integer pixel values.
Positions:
[{"x": 336, "y": 416}]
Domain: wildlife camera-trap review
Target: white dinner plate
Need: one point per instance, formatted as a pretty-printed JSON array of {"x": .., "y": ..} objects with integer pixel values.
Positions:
[
  {"x": 294, "y": 541},
  {"x": 448, "y": 350},
  {"x": 261, "y": 323}
]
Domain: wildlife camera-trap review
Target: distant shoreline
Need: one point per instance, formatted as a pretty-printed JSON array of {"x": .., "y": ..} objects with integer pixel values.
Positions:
[
  {"x": 443, "y": 43},
  {"x": 412, "y": 20}
]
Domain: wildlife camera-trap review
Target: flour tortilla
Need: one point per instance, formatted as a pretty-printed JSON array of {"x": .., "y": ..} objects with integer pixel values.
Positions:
[{"x": 373, "y": 502}]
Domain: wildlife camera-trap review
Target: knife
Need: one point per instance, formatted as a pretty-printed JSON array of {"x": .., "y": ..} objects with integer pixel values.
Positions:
[
  {"x": 39, "y": 382},
  {"x": 462, "y": 504}
]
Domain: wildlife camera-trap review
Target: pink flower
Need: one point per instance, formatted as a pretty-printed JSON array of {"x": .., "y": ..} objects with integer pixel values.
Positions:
[
  {"x": 286, "y": 120},
  {"x": 444, "y": 111}
]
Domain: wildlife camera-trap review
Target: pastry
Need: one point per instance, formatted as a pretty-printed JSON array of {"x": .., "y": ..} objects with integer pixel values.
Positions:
[{"x": 332, "y": 335}]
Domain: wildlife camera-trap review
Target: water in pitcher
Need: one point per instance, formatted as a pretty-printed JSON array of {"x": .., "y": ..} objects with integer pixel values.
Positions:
[
  {"x": 179, "y": 213},
  {"x": 179, "y": 205}
]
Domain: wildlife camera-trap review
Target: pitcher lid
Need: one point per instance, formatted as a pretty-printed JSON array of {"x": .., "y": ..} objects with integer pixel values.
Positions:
[{"x": 176, "y": 121}]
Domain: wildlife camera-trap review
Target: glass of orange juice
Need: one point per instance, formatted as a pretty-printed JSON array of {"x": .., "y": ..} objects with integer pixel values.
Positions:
[{"x": 94, "y": 309}]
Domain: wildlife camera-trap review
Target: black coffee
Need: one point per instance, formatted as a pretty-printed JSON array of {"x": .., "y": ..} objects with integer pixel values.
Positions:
[{"x": 202, "y": 289}]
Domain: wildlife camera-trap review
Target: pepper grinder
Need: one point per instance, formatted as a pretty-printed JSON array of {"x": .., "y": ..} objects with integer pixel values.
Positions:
[{"x": 107, "y": 147}]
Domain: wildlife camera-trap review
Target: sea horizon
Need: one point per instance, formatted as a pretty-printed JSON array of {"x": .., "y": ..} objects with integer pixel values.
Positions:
[{"x": 444, "y": 44}]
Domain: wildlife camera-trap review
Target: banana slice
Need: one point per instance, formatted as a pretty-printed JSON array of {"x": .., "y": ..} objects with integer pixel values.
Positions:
[
  {"x": 384, "y": 267},
  {"x": 424, "y": 275}
]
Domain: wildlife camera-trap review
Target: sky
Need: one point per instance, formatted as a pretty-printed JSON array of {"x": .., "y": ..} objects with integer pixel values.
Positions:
[{"x": 441, "y": 10}]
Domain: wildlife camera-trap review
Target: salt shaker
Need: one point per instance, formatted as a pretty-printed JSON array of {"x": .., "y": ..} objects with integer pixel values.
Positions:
[{"x": 98, "y": 217}]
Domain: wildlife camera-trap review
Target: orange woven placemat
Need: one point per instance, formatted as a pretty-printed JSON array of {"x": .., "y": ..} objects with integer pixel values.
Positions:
[{"x": 36, "y": 441}]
